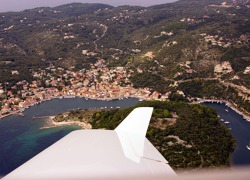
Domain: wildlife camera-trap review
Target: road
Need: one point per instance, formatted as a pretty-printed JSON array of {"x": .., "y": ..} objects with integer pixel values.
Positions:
[{"x": 104, "y": 33}]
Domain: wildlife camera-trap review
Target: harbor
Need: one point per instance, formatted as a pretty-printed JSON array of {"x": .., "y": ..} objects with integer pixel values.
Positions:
[
  {"x": 239, "y": 128},
  {"x": 245, "y": 115}
]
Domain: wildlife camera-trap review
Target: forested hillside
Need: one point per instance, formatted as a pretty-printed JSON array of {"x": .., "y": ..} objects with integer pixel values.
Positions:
[{"x": 188, "y": 136}]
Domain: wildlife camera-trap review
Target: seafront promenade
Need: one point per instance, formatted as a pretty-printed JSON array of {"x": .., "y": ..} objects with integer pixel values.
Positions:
[{"x": 87, "y": 97}]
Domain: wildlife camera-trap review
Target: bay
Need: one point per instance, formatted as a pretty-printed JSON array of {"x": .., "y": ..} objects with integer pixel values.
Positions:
[
  {"x": 21, "y": 138},
  {"x": 239, "y": 128}
]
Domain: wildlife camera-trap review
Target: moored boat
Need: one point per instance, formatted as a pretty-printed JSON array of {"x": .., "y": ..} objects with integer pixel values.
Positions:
[{"x": 248, "y": 146}]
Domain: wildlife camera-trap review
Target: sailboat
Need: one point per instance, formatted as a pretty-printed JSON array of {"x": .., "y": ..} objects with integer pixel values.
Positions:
[{"x": 248, "y": 146}]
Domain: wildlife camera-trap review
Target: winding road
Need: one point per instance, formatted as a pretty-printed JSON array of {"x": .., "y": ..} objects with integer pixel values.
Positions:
[{"x": 104, "y": 33}]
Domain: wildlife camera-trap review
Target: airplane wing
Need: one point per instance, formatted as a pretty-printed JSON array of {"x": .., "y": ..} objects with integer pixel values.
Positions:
[{"x": 100, "y": 154}]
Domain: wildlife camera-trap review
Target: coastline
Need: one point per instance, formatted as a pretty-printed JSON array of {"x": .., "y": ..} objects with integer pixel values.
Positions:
[
  {"x": 245, "y": 114},
  {"x": 83, "y": 125},
  {"x": 45, "y": 126},
  {"x": 19, "y": 111}
]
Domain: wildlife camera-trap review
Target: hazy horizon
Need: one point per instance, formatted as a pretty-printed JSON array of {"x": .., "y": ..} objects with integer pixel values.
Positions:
[{"x": 14, "y": 5}]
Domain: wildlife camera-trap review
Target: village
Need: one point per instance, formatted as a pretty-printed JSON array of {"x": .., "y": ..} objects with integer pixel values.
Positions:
[
  {"x": 107, "y": 83},
  {"x": 100, "y": 82}
]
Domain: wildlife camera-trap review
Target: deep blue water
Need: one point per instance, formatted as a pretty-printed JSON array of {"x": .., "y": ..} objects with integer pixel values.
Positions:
[
  {"x": 240, "y": 129},
  {"x": 21, "y": 138}
]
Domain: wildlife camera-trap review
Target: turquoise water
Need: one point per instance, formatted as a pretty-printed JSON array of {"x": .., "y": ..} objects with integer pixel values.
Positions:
[{"x": 21, "y": 138}]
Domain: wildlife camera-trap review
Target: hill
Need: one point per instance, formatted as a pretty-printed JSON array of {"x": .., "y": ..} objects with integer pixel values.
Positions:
[{"x": 199, "y": 47}]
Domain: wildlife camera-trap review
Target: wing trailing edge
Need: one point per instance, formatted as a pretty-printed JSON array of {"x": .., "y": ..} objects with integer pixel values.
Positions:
[
  {"x": 136, "y": 122},
  {"x": 132, "y": 132}
]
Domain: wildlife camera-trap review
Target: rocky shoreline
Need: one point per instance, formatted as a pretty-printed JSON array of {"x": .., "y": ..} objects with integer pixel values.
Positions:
[{"x": 245, "y": 114}]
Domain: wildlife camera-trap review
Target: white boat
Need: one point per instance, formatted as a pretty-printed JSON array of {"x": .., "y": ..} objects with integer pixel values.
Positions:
[
  {"x": 227, "y": 122},
  {"x": 222, "y": 120},
  {"x": 226, "y": 110},
  {"x": 248, "y": 146}
]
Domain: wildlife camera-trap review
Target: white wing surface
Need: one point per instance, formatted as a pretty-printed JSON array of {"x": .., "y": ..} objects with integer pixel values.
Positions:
[{"x": 100, "y": 154}]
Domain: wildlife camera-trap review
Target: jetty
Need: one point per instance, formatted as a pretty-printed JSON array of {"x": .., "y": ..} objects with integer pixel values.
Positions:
[{"x": 42, "y": 117}]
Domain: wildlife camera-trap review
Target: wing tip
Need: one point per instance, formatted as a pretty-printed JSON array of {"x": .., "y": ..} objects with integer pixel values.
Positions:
[{"x": 138, "y": 119}]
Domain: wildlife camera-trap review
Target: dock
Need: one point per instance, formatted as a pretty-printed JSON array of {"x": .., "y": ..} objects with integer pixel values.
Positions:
[{"x": 42, "y": 117}]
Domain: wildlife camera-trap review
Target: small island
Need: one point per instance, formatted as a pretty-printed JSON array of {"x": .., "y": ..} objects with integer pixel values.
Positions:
[
  {"x": 187, "y": 135},
  {"x": 78, "y": 117}
]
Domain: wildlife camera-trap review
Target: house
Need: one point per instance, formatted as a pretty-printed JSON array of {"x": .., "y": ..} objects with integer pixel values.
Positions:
[
  {"x": 14, "y": 72},
  {"x": 180, "y": 92}
]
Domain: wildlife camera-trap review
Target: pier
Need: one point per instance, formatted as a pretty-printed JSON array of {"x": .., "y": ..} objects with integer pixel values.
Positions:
[{"x": 42, "y": 117}]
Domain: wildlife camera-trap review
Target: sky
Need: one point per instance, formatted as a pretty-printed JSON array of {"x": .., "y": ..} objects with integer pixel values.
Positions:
[{"x": 19, "y": 5}]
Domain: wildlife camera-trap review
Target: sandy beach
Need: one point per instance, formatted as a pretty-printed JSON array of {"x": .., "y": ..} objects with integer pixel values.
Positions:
[
  {"x": 83, "y": 125},
  {"x": 58, "y": 124}
]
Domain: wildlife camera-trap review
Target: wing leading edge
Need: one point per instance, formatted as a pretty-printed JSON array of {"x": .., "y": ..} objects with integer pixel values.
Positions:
[{"x": 100, "y": 154}]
